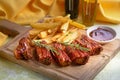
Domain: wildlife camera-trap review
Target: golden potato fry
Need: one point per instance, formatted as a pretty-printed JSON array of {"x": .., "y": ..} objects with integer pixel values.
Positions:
[
  {"x": 54, "y": 38},
  {"x": 43, "y": 34},
  {"x": 48, "y": 39},
  {"x": 71, "y": 36},
  {"x": 49, "y": 31},
  {"x": 78, "y": 25},
  {"x": 34, "y": 32},
  {"x": 65, "y": 27},
  {"x": 61, "y": 19},
  {"x": 63, "y": 35},
  {"x": 45, "y": 26}
]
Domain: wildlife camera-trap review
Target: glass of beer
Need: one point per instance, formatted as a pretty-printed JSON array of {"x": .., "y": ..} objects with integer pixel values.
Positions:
[{"x": 89, "y": 8}]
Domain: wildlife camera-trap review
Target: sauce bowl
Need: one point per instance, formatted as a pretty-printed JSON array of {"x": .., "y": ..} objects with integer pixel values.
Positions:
[{"x": 101, "y": 33}]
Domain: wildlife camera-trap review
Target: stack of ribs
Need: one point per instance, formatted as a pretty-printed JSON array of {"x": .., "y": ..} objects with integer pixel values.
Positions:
[{"x": 57, "y": 52}]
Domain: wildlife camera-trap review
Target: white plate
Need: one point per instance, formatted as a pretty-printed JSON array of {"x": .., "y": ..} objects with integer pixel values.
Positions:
[{"x": 89, "y": 30}]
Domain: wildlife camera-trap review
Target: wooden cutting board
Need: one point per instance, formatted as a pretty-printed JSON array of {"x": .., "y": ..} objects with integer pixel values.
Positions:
[{"x": 82, "y": 72}]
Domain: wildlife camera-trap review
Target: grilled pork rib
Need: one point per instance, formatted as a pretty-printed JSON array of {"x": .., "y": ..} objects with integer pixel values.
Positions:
[
  {"x": 44, "y": 55},
  {"x": 94, "y": 47},
  {"x": 23, "y": 50},
  {"x": 60, "y": 55},
  {"x": 76, "y": 55}
]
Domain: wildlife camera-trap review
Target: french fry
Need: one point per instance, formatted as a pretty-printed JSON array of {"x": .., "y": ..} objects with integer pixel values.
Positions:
[
  {"x": 65, "y": 27},
  {"x": 49, "y": 31},
  {"x": 78, "y": 25},
  {"x": 60, "y": 19},
  {"x": 34, "y": 31},
  {"x": 43, "y": 34},
  {"x": 64, "y": 35},
  {"x": 71, "y": 36},
  {"x": 54, "y": 38},
  {"x": 47, "y": 39},
  {"x": 45, "y": 26}
]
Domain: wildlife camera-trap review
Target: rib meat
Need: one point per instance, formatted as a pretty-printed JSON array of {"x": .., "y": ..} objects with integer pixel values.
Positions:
[
  {"x": 23, "y": 50},
  {"x": 93, "y": 46},
  {"x": 77, "y": 56},
  {"x": 60, "y": 55},
  {"x": 44, "y": 55}
]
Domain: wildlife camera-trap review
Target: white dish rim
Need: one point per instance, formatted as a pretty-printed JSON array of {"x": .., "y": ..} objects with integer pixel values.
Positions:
[{"x": 104, "y": 27}]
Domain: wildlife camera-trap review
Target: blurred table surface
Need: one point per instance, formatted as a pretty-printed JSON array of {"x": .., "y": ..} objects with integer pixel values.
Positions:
[{"x": 12, "y": 71}]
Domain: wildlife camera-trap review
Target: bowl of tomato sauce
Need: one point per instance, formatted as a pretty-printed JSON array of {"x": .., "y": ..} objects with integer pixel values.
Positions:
[{"x": 101, "y": 33}]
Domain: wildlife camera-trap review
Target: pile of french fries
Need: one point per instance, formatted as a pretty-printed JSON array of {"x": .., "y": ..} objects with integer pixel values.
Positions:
[{"x": 60, "y": 29}]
